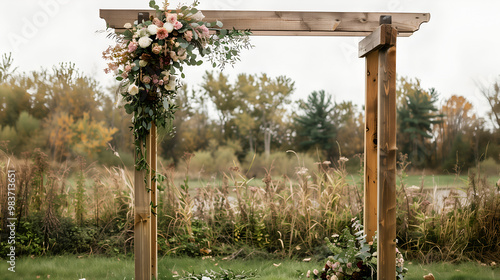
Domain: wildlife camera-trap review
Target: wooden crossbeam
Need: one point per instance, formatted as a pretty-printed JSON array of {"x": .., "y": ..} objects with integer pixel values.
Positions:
[
  {"x": 384, "y": 35},
  {"x": 290, "y": 23}
]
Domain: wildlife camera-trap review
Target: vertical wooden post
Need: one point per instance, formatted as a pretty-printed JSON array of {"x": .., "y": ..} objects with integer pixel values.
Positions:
[
  {"x": 154, "y": 202},
  {"x": 370, "y": 159},
  {"x": 142, "y": 227},
  {"x": 379, "y": 48},
  {"x": 387, "y": 164}
]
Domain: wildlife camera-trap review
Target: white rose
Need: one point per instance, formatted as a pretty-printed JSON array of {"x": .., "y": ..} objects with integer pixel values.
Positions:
[
  {"x": 168, "y": 26},
  {"x": 152, "y": 29},
  {"x": 145, "y": 42},
  {"x": 205, "y": 278},
  {"x": 171, "y": 83},
  {"x": 143, "y": 32},
  {"x": 128, "y": 25},
  {"x": 133, "y": 89},
  {"x": 198, "y": 16},
  {"x": 143, "y": 63}
]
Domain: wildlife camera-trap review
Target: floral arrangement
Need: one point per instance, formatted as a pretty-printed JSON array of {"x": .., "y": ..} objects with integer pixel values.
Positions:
[
  {"x": 353, "y": 258},
  {"x": 150, "y": 54}
]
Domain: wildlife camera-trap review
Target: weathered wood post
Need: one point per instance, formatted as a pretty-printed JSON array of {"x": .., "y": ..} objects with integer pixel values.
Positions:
[
  {"x": 142, "y": 221},
  {"x": 379, "y": 48},
  {"x": 154, "y": 202},
  {"x": 145, "y": 226}
]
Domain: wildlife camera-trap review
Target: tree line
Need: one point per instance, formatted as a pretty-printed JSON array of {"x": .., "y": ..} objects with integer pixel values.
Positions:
[{"x": 67, "y": 114}]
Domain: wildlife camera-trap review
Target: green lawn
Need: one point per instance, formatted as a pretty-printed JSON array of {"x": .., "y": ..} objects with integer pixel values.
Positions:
[{"x": 72, "y": 267}]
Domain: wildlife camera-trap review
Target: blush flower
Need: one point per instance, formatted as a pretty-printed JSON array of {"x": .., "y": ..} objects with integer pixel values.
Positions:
[
  {"x": 172, "y": 18},
  {"x": 132, "y": 46},
  {"x": 188, "y": 35},
  {"x": 162, "y": 33},
  {"x": 177, "y": 25},
  {"x": 156, "y": 49},
  {"x": 146, "y": 79},
  {"x": 204, "y": 31},
  {"x": 158, "y": 22}
]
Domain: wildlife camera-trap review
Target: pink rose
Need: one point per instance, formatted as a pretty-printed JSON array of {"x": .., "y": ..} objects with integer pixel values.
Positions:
[
  {"x": 155, "y": 81},
  {"x": 177, "y": 25},
  {"x": 160, "y": 82},
  {"x": 172, "y": 18},
  {"x": 162, "y": 33},
  {"x": 204, "y": 31},
  {"x": 188, "y": 35},
  {"x": 146, "y": 79},
  {"x": 157, "y": 22},
  {"x": 132, "y": 46},
  {"x": 128, "y": 67}
]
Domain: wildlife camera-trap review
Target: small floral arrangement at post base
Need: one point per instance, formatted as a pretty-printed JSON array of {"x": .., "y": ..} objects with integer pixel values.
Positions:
[
  {"x": 150, "y": 54},
  {"x": 353, "y": 258}
]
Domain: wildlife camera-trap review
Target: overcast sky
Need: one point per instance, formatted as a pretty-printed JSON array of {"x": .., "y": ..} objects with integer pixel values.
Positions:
[{"x": 454, "y": 52}]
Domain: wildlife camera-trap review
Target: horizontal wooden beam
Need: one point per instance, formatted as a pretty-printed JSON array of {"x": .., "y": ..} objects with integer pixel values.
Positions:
[
  {"x": 290, "y": 23},
  {"x": 384, "y": 35}
]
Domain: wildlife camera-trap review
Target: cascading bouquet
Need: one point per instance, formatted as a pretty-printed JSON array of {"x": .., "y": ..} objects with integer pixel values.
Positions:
[{"x": 149, "y": 55}]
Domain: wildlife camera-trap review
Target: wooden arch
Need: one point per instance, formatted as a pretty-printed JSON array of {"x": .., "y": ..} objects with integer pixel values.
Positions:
[{"x": 379, "y": 50}]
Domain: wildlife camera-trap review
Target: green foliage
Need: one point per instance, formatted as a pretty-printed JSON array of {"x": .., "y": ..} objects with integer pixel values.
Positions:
[
  {"x": 6, "y": 69},
  {"x": 252, "y": 109},
  {"x": 9, "y": 137},
  {"x": 416, "y": 116},
  {"x": 80, "y": 195},
  {"x": 460, "y": 155},
  {"x": 353, "y": 257},
  {"x": 316, "y": 124}
]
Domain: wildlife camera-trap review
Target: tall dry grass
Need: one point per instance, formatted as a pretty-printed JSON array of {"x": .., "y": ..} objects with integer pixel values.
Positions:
[{"x": 84, "y": 208}]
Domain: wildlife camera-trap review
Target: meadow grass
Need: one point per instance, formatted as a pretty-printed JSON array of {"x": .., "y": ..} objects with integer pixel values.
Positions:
[
  {"x": 122, "y": 268},
  {"x": 441, "y": 181}
]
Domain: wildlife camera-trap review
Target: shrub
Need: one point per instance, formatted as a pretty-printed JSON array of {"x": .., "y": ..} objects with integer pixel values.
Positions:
[{"x": 353, "y": 257}]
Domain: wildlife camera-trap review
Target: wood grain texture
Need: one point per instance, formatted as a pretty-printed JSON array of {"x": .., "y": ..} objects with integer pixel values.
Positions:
[
  {"x": 370, "y": 146},
  {"x": 142, "y": 227},
  {"x": 154, "y": 201},
  {"x": 290, "y": 23},
  {"x": 387, "y": 164},
  {"x": 384, "y": 35}
]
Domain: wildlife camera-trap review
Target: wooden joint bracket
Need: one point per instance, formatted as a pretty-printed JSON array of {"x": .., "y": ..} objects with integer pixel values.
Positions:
[{"x": 384, "y": 36}]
